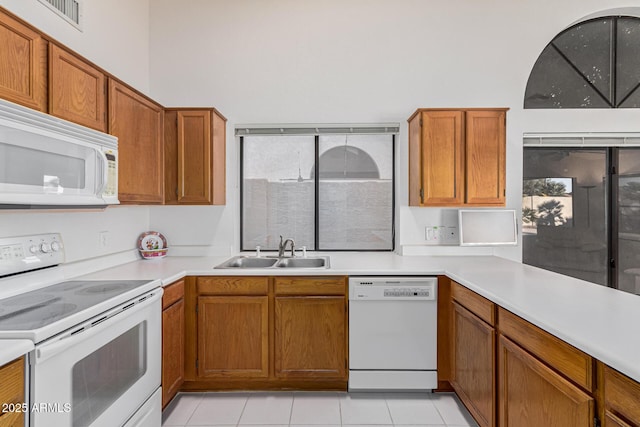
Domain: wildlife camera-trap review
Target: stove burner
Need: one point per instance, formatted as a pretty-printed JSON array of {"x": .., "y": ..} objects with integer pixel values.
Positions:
[
  {"x": 29, "y": 300},
  {"x": 24, "y": 319},
  {"x": 102, "y": 288},
  {"x": 69, "y": 286}
]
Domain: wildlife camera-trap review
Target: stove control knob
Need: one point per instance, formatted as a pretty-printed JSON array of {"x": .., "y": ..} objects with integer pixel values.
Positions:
[
  {"x": 55, "y": 246},
  {"x": 33, "y": 249},
  {"x": 45, "y": 247}
]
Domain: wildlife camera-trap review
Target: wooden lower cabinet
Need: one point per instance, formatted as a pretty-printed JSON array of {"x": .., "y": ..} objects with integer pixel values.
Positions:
[
  {"x": 266, "y": 333},
  {"x": 532, "y": 394},
  {"x": 621, "y": 399},
  {"x": 473, "y": 364},
  {"x": 611, "y": 420},
  {"x": 172, "y": 340},
  {"x": 233, "y": 336},
  {"x": 12, "y": 392},
  {"x": 310, "y": 337}
]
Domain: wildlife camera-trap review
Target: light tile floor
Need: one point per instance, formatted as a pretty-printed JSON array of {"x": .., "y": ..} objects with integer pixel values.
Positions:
[{"x": 320, "y": 409}]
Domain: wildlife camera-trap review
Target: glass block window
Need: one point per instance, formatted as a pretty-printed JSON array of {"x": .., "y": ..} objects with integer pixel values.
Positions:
[{"x": 593, "y": 64}]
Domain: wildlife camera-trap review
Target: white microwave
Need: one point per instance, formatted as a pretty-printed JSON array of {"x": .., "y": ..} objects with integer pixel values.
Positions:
[{"x": 47, "y": 162}]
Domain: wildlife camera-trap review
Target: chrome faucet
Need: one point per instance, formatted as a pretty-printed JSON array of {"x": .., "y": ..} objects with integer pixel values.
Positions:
[{"x": 283, "y": 247}]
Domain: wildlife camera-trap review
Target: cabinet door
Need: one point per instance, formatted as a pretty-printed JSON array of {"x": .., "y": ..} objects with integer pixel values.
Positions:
[
  {"x": 533, "y": 395},
  {"x": 23, "y": 64},
  {"x": 77, "y": 90},
  {"x": 233, "y": 336},
  {"x": 473, "y": 373},
  {"x": 442, "y": 158},
  {"x": 137, "y": 122},
  {"x": 172, "y": 350},
  {"x": 622, "y": 395},
  {"x": 12, "y": 392},
  {"x": 194, "y": 157},
  {"x": 219, "y": 172},
  {"x": 611, "y": 420},
  {"x": 310, "y": 337},
  {"x": 485, "y": 157}
]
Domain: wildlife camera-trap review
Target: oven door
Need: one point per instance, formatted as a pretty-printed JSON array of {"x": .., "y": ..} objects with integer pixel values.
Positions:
[{"x": 102, "y": 374}]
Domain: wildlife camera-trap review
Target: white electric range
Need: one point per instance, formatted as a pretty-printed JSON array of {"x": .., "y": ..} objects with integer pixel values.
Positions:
[{"x": 97, "y": 343}]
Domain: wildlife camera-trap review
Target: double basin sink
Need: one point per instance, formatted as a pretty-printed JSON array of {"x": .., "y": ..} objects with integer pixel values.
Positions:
[{"x": 243, "y": 262}]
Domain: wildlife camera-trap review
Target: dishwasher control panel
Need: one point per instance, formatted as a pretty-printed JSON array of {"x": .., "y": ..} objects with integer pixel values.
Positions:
[
  {"x": 408, "y": 292},
  {"x": 392, "y": 288}
]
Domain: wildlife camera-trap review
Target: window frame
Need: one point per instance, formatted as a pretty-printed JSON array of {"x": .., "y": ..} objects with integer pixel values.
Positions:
[{"x": 316, "y": 219}]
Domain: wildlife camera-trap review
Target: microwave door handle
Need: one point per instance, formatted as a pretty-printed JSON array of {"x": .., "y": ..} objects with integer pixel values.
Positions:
[{"x": 104, "y": 171}]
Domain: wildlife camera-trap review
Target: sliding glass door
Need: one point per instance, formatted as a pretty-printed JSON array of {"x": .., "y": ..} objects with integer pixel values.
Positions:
[
  {"x": 628, "y": 220},
  {"x": 564, "y": 211},
  {"x": 581, "y": 213}
]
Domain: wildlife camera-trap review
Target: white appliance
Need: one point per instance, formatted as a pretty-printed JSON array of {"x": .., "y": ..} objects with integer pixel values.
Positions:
[
  {"x": 393, "y": 333},
  {"x": 97, "y": 357},
  {"x": 49, "y": 162}
]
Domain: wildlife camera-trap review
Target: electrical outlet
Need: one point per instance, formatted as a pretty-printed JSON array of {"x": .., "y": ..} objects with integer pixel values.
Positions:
[
  {"x": 433, "y": 234},
  {"x": 103, "y": 239}
]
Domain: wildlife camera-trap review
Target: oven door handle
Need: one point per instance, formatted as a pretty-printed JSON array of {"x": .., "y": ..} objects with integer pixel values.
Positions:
[{"x": 96, "y": 325}]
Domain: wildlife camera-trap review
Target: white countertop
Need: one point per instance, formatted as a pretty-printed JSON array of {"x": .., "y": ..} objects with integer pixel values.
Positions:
[
  {"x": 12, "y": 349},
  {"x": 600, "y": 321}
]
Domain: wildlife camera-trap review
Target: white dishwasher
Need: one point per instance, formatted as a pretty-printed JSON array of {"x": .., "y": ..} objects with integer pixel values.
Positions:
[{"x": 393, "y": 333}]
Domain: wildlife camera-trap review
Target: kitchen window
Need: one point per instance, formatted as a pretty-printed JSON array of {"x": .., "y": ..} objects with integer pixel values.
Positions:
[
  {"x": 326, "y": 188},
  {"x": 580, "y": 208}
]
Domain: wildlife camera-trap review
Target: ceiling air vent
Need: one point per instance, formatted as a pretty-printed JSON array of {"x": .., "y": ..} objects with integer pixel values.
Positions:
[{"x": 70, "y": 10}]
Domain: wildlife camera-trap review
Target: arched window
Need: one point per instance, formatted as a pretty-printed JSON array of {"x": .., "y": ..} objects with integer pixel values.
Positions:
[
  {"x": 347, "y": 162},
  {"x": 592, "y": 64}
]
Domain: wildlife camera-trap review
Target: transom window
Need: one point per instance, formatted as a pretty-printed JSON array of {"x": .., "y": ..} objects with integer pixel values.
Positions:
[
  {"x": 593, "y": 64},
  {"x": 327, "y": 191}
]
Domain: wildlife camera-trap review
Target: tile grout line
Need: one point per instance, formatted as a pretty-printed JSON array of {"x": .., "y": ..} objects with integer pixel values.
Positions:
[
  {"x": 243, "y": 408},
  {"x": 293, "y": 401},
  {"x": 194, "y": 409},
  {"x": 389, "y": 410}
]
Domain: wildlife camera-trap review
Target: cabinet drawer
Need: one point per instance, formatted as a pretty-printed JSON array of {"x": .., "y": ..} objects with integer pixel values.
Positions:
[
  {"x": 568, "y": 360},
  {"x": 12, "y": 384},
  {"x": 622, "y": 394},
  {"x": 480, "y": 306},
  {"x": 310, "y": 285},
  {"x": 232, "y": 285},
  {"x": 172, "y": 293}
]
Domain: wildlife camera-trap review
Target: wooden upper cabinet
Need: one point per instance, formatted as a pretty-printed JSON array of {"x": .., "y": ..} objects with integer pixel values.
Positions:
[
  {"x": 23, "y": 64},
  {"x": 442, "y": 158},
  {"x": 485, "y": 154},
  {"x": 137, "y": 121},
  {"x": 533, "y": 395},
  {"x": 195, "y": 157},
  {"x": 77, "y": 90},
  {"x": 457, "y": 157}
]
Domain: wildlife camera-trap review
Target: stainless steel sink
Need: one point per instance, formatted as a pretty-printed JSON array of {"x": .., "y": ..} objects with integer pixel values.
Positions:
[
  {"x": 248, "y": 262},
  {"x": 316, "y": 262},
  {"x": 244, "y": 262}
]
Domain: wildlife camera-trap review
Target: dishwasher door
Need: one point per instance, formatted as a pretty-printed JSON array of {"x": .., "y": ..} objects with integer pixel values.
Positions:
[{"x": 393, "y": 333}]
